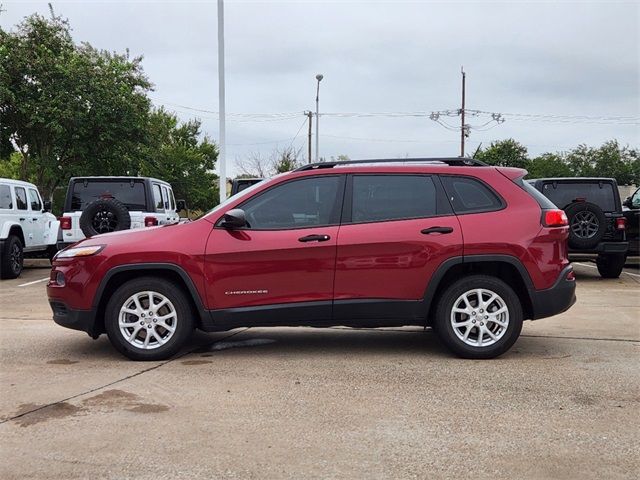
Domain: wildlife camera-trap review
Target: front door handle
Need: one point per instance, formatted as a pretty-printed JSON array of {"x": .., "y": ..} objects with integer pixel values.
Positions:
[
  {"x": 22, "y": 219},
  {"x": 34, "y": 219},
  {"x": 314, "y": 238},
  {"x": 429, "y": 231}
]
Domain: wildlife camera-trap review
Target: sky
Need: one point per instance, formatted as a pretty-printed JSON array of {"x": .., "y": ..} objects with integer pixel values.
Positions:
[{"x": 559, "y": 73}]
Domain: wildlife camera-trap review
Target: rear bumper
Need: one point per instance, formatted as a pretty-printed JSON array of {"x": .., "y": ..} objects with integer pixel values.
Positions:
[
  {"x": 605, "y": 247},
  {"x": 83, "y": 320},
  {"x": 557, "y": 299}
]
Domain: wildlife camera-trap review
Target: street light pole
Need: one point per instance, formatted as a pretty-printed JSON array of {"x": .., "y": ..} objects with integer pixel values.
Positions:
[
  {"x": 222, "y": 160},
  {"x": 319, "y": 78}
]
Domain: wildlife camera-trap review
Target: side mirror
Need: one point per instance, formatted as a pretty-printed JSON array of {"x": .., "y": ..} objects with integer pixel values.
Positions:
[
  {"x": 234, "y": 219},
  {"x": 47, "y": 206},
  {"x": 181, "y": 205}
]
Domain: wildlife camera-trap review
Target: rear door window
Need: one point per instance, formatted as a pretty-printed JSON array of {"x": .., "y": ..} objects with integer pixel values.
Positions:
[
  {"x": 21, "y": 198},
  {"x": 34, "y": 199},
  {"x": 599, "y": 193},
  {"x": 392, "y": 197},
  {"x": 130, "y": 193},
  {"x": 468, "y": 195},
  {"x": 5, "y": 197}
]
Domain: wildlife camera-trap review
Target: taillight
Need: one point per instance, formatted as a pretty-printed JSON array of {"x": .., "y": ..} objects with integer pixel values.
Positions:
[
  {"x": 621, "y": 223},
  {"x": 554, "y": 218},
  {"x": 65, "y": 223},
  {"x": 150, "y": 221}
]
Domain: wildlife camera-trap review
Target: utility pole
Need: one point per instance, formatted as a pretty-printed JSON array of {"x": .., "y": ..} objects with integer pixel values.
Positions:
[
  {"x": 462, "y": 126},
  {"x": 310, "y": 115},
  {"x": 319, "y": 78},
  {"x": 222, "y": 160}
]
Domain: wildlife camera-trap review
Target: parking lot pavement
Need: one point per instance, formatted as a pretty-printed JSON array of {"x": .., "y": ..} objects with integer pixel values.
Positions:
[{"x": 331, "y": 403}]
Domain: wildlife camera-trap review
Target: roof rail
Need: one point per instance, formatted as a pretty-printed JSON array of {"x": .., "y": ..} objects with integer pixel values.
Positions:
[{"x": 454, "y": 162}]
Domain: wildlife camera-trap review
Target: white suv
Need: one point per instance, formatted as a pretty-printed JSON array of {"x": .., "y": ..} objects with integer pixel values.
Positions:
[
  {"x": 96, "y": 205},
  {"x": 27, "y": 228}
]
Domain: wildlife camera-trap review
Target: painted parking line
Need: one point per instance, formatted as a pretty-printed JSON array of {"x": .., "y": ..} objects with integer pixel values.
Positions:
[
  {"x": 593, "y": 266},
  {"x": 35, "y": 281}
]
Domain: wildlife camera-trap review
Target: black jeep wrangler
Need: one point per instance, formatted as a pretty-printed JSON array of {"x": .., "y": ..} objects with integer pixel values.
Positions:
[{"x": 596, "y": 221}]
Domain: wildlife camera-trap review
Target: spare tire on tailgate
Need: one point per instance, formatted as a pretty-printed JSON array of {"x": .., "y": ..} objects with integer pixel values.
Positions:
[
  {"x": 104, "y": 216},
  {"x": 587, "y": 225}
]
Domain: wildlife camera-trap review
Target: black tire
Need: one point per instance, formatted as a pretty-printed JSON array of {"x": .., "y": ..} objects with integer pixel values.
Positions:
[
  {"x": 184, "y": 324},
  {"x": 104, "y": 216},
  {"x": 611, "y": 265},
  {"x": 12, "y": 258},
  {"x": 445, "y": 330},
  {"x": 51, "y": 252},
  {"x": 587, "y": 225}
]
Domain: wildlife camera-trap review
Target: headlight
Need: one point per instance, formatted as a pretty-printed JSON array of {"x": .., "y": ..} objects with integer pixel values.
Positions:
[{"x": 79, "y": 251}]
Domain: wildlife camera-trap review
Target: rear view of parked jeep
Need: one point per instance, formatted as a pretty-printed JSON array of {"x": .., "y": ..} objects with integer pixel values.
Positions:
[
  {"x": 96, "y": 205},
  {"x": 597, "y": 223}
]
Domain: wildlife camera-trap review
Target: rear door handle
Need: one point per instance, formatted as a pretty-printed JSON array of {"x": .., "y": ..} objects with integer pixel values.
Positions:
[
  {"x": 34, "y": 219},
  {"x": 22, "y": 219},
  {"x": 429, "y": 231},
  {"x": 314, "y": 238}
]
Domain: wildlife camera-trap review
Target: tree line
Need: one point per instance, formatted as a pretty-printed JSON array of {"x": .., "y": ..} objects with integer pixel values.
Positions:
[
  {"x": 608, "y": 160},
  {"x": 72, "y": 110}
]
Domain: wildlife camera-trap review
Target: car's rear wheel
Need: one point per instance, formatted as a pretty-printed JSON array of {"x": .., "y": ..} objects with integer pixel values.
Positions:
[
  {"x": 611, "y": 265},
  {"x": 479, "y": 317},
  {"x": 12, "y": 260},
  {"x": 148, "y": 319}
]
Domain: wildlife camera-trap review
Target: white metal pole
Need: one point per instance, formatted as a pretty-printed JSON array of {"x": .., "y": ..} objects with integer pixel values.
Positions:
[
  {"x": 222, "y": 160},
  {"x": 317, "y": 127}
]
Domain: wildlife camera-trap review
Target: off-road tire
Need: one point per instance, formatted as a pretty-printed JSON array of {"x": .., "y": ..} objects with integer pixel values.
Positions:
[
  {"x": 8, "y": 266},
  {"x": 445, "y": 330},
  {"x": 104, "y": 216},
  {"x": 580, "y": 241},
  {"x": 611, "y": 265},
  {"x": 184, "y": 325}
]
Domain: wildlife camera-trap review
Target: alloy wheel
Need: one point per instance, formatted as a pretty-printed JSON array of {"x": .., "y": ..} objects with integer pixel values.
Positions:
[
  {"x": 479, "y": 317},
  {"x": 147, "y": 320},
  {"x": 16, "y": 258},
  {"x": 585, "y": 224}
]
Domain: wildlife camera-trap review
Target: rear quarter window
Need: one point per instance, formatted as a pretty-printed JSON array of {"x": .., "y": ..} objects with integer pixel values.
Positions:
[
  {"x": 5, "y": 197},
  {"x": 469, "y": 195}
]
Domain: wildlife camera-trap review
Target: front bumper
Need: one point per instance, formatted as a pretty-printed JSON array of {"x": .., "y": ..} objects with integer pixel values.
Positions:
[
  {"x": 557, "y": 299},
  {"x": 83, "y": 320}
]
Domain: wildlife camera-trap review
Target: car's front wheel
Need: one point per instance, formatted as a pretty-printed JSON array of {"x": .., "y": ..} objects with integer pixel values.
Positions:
[
  {"x": 148, "y": 319},
  {"x": 479, "y": 317}
]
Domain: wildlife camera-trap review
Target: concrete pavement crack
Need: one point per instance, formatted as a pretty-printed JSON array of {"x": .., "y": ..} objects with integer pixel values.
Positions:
[{"x": 133, "y": 375}]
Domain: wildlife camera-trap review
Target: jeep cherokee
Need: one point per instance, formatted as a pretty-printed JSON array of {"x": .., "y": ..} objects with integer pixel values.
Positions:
[{"x": 465, "y": 248}]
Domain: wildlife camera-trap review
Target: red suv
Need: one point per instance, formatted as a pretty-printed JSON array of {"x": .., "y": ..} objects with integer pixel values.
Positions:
[{"x": 465, "y": 248}]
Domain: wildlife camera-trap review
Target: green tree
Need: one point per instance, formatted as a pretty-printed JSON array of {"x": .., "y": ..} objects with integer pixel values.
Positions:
[
  {"x": 286, "y": 160},
  {"x": 549, "y": 165},
  {"x": 67, "y": 108},
  {"x": 504, "y": 153},
  {"x": 176, "y": 153}
]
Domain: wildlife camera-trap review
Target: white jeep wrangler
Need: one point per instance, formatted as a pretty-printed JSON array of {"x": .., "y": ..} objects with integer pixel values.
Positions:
[
  {"x": 96, "y": 205},
  {"x": 27, "y": 228}
]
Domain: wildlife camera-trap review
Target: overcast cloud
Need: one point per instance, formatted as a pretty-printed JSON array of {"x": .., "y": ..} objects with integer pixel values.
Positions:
[{"x": 573, "y": 58}]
